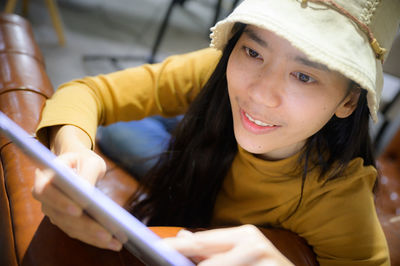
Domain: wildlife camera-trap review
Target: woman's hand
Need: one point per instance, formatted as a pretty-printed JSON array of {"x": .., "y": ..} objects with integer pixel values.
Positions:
[
  {"x": 243, "y": 245},
  {"x": 62, "y": 211}
]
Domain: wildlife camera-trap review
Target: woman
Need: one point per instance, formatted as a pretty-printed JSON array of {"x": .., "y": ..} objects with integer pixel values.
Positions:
[{"x": 276, "y": 133}]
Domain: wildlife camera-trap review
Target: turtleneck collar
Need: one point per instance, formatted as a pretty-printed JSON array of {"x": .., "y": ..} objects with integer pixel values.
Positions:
[{"x": 287, "y": 167}]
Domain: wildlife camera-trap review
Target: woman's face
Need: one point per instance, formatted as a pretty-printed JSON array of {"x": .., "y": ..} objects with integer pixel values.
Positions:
[{"x": 279, "y": 97}]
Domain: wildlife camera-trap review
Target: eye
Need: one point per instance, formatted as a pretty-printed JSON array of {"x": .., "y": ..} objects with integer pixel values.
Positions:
[
  {"x": 303, "y": 77},
  {"x": 250, "y": 52}
]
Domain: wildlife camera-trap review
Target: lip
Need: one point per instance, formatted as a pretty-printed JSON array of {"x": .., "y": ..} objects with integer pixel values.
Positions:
[{"x": 254, "y": 128}]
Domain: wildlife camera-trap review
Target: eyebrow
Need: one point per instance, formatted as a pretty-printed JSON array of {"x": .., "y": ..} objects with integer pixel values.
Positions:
[
  {"x": 252, "y": 35},
  {"x": 312, "y": 64}
]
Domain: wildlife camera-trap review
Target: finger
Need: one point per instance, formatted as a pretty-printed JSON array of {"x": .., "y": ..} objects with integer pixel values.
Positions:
[
  {"x": 48, "y": 194},
  {"x": 92, "y": 169},
  {"x": 231, "y": 234},
  {"x": 207, "y": 243},
  {"x": 184, "y": 233},
  {"x": 83, "y": 228},
  {"x": 247, "y": 255},
  {"x": 193, "y": 245},
  {"x": 242, "y": 255},
  {"x": 42, "y": 180},
  {"x": 88, "y": 165},
  {"x": 70, "y": 159}
]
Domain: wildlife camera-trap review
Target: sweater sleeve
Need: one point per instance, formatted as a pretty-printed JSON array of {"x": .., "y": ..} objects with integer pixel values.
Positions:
[
  {"x": 340, "y": 222},
  {"x": 165, "y": 89}
]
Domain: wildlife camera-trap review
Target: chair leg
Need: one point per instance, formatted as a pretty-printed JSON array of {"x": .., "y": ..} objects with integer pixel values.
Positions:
[
  {"x": 55, "y": 17},
  {"x": 10, "y": 6},
  {"x": 234, "y": 4},
  {"x": 25, "y": 7},
  {"x": 161, "y": 30},
  {"x": 217, "y": 12}
]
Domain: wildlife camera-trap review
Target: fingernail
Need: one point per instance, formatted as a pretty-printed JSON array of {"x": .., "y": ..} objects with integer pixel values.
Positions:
[
  {"x": 115, "y": 245},
  {"x": 184, "y": 233},
  {"x": 73, "y": 210},
  {"x": 197, "y": 259},
  {"x": 103, "y": 236}
]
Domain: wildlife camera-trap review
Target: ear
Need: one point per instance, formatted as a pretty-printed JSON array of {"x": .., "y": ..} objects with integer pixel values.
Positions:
[{"x": 348, "y": 105}]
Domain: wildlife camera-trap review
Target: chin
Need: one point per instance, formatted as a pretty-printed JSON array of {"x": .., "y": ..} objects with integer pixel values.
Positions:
[
  {"x": 247, "y": 143},
  {"x": 254, "y": 150}
]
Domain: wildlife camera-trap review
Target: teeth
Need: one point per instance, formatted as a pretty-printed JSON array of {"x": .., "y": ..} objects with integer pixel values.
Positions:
[{"x": 257, "y": 122}]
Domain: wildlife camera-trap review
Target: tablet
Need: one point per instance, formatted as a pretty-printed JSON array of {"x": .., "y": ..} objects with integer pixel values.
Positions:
[{"x": 135, "y": 236}]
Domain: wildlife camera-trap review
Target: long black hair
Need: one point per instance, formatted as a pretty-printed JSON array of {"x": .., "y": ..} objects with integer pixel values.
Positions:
[{"x": 182, "y": 187}]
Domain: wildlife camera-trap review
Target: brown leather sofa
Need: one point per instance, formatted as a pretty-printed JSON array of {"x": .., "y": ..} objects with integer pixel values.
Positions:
[{"x": 27, "y": 237}]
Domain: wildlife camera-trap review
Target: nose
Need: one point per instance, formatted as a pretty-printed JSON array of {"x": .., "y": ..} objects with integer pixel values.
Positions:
[{"x": 267, "y": 87}]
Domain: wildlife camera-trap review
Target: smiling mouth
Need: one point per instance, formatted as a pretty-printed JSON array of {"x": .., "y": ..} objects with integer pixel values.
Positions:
[{"x": 257, "y": 122}]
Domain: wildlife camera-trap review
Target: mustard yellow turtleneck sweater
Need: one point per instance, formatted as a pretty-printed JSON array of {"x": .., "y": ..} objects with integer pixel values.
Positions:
[{"x": 337, "y": 219}]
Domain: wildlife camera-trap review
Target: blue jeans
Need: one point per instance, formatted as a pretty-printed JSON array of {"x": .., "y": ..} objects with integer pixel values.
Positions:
[{"x": 136, "y": 145}]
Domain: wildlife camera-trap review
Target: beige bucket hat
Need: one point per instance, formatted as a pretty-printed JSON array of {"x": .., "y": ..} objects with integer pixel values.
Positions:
[{"x": 349, "y": 36}]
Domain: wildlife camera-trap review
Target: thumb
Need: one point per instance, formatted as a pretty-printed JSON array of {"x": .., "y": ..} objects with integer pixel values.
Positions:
[
  {"x": 87, "y": 165},
  {"x": 91, "y": 168}
]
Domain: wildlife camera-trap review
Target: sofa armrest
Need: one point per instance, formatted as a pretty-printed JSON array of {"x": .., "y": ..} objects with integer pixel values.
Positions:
[{"x": 24, "y": 87}]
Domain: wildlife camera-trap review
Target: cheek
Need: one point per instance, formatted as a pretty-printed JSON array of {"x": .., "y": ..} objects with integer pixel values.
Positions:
[
  {"x": 236, "y": 76},
  {"x": 236, "y": 79},
  {"x": 309, "y": 114},
  {"x": 232, "y": 78}
]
